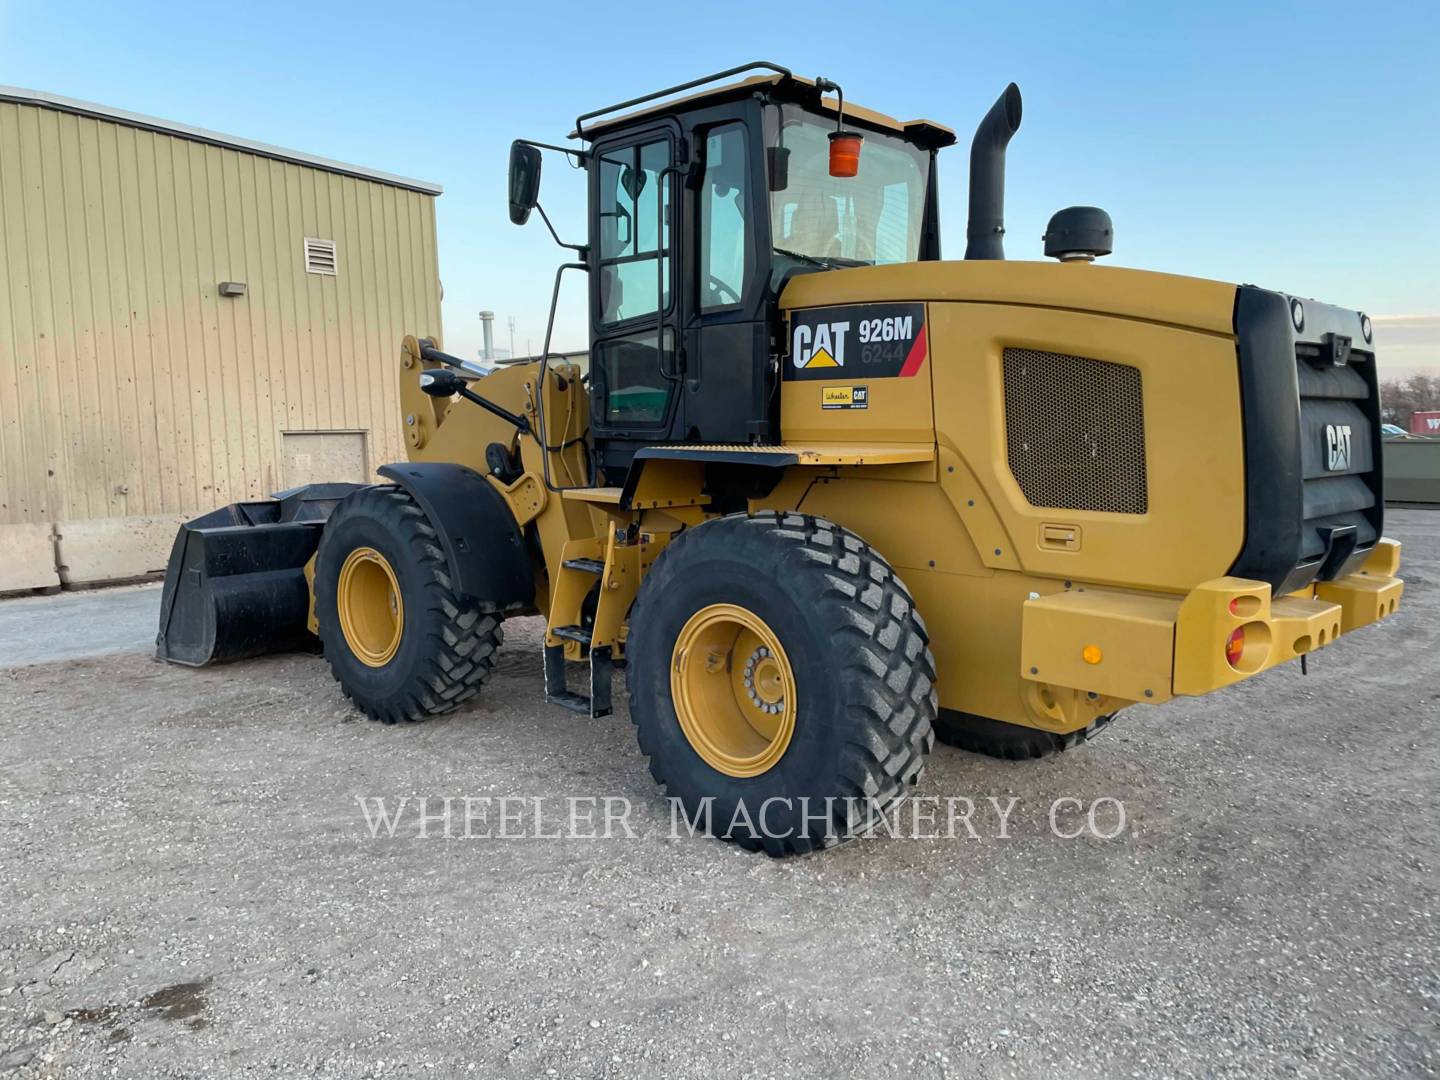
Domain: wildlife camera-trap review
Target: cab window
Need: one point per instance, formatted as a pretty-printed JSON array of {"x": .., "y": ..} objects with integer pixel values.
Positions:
[
  {"x": 634, "y": 197},
  {"x": 723, "y": 218},
  {"x": 627, "y": 370},
  {"x": 870, "y": 219}
]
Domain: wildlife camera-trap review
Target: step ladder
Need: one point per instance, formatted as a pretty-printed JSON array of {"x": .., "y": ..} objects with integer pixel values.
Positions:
[
  {"x": 601, "y": 657},
  {"x": 610, "y": 560}
]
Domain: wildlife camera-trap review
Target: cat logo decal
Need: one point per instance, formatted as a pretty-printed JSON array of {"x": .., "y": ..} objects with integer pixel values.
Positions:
[
  {"x": 865, "y": 341},
  {"x": 819, "y": 345}
]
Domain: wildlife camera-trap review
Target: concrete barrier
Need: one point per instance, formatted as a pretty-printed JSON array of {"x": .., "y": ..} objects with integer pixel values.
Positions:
[
  {"x": 1412, "y": 471},
  {"x": 114, "y": 549},
  {"x": 27, "y": 557}
]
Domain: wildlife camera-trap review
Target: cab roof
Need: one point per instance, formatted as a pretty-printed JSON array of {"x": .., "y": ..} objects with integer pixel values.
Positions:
[{"x": 781, "y": 87}]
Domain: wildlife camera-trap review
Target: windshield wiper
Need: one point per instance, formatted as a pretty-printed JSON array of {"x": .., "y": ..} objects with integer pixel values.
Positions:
[
  {"x": 813, "y": 260},
  {"x": 837, "y": 263}
]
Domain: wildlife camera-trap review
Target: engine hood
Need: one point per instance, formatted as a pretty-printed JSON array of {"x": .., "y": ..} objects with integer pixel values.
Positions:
[{"x": 1194, "y": 303}]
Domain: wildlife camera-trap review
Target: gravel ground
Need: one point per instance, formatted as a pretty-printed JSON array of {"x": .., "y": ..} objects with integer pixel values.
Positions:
[{"x": 190, "y": 889}]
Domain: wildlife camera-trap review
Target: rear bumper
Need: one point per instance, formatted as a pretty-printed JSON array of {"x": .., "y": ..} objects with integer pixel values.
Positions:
[{"x": 1137, "y": 647}]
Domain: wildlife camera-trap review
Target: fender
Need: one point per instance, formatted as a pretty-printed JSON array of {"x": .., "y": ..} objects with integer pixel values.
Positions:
[
  {"x": 777, "y": 458},
  {"x": 483, "y": 545}
]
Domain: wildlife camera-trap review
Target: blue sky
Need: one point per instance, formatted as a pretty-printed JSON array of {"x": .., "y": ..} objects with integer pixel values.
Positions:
[{"x": 1291, "y": 145}]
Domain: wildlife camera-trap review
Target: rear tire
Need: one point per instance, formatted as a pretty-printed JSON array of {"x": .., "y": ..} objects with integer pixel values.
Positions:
[
  {"x": 444, "y": 646},
  {"x": 853, "y": 652},
  {"x": 1014, "y": 742}
]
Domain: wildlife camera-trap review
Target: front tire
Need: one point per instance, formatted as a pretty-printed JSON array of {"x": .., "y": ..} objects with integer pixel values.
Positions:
[
  {"x": 403, "y": 645},
  {"x": 778, "y": 669}
]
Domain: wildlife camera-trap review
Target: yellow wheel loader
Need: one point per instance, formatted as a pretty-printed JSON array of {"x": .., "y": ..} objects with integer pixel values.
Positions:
[{"x": 824, "y": 496}]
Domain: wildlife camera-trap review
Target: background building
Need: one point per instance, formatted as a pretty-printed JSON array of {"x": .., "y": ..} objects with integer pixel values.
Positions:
[{"x": 186, "y": 320}]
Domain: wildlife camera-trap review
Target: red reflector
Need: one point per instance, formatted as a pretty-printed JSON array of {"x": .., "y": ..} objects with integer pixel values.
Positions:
[
  {"x": 1234, "y": 603},
  {"x": 1234, "y": 646}
]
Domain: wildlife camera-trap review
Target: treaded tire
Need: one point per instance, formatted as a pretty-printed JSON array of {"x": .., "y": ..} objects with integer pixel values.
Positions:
[
  {"x": 1015, "y": 742},
  {"x": 864, "y": 677},
  {"x": 448, "y": 644}
]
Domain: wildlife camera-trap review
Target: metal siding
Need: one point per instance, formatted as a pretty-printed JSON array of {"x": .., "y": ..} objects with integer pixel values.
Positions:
[{"x": 128, "y": 386}]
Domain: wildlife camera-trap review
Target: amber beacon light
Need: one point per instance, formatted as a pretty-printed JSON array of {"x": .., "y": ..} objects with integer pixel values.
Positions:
[
  {"x": 844, "y": 153},
  {"x": 844, "y": 145}
]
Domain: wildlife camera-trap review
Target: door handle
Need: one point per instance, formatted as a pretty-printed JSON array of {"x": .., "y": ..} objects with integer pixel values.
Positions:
[
  {"x": 673, "y": 373},
  {"x": 1060, "y": 537}
]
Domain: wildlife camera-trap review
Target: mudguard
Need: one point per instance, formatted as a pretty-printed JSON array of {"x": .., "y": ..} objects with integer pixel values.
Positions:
[
  {"x": 483, "y": 545},
  {"x": 235, "y": 584}
]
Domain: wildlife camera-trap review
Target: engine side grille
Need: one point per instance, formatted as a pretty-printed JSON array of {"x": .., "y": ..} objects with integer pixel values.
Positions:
[{"x": 1075, "y": 431}]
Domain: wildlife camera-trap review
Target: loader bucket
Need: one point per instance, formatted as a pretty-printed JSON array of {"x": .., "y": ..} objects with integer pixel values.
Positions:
[{"x": 235, "y": 585}]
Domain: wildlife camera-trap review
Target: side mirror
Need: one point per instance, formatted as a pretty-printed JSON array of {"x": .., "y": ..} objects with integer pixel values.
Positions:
[
  {"x": 524, "y": 181},
  {"x": 632, "y": 182}
]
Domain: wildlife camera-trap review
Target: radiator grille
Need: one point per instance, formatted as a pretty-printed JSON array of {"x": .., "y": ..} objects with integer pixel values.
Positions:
[
  {"x": 1337, "y": 397},
  {"x": 1075, "y": 431}
]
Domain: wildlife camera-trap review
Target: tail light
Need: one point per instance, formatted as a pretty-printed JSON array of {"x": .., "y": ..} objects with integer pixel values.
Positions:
[
  {"x": 1246, "y": 606},
  {"x": 1235, "y": 647}
]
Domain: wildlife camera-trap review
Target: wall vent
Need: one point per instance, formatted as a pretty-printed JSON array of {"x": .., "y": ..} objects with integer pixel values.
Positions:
[
  {"x": 320, "y": 256},
  {"x": 1075, "y": 431}
]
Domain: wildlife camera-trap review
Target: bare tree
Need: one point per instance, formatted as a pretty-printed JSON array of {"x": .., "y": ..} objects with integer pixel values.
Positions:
[{"x": 1402, "y": 398}]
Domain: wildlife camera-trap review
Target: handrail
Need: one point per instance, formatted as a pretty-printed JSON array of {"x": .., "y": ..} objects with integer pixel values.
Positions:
[
  {"x": 754, "y": 65},
  {"x": 542, "y": 437},
  {"x": 670, "y": 171}
]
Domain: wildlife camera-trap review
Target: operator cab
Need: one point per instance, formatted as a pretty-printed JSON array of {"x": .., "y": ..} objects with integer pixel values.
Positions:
[{"x": 700, "y": 209}]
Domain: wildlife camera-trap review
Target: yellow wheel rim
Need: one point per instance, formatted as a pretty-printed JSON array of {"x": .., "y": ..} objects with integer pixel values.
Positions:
[
  {"x": 372, "y": 614},
  {"x": 733, "y": 689}
]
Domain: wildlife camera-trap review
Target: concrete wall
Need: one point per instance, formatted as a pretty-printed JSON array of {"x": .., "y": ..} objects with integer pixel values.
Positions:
[{"x": 133, "y": 395}]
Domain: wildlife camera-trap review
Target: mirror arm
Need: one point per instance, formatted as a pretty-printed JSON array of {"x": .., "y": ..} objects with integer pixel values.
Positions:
[
  {"x": 582, "y": 157},
  {"x": 580, "y": 249}
]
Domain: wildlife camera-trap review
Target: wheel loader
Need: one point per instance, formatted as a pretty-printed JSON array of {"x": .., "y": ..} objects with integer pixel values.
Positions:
[{"x": 823, "y": 496}]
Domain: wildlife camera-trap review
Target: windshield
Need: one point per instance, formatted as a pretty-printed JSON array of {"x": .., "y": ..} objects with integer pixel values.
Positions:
[{"x": 874, "y": 217}]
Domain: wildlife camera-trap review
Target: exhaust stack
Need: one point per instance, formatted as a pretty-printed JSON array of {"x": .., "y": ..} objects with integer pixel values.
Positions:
[
  {"x": 487, "y": 325},
  {"x": 985, "y": 232}
]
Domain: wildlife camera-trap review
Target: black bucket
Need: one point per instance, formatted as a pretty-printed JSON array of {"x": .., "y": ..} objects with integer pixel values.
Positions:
[{"x": 235, "y": 585}]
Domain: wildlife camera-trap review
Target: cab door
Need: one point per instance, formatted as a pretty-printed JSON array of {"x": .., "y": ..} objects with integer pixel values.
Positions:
[
  {"x": 635, "y": 310},
  {"x": 728, "y": 376}
]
